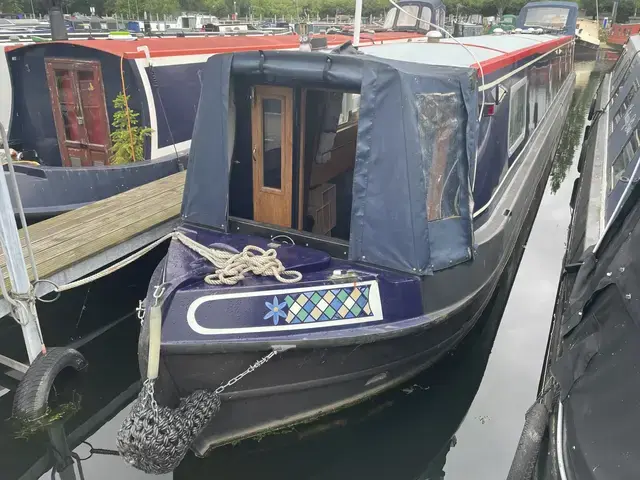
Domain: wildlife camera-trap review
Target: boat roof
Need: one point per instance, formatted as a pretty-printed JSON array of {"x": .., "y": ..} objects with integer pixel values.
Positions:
[
  {"x": 492, "y": 51},
  {"x": 175, "y": 46}
]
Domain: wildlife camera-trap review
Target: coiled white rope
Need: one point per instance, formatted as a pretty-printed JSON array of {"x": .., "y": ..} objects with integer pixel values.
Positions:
[{"x": 231, "y": 267}]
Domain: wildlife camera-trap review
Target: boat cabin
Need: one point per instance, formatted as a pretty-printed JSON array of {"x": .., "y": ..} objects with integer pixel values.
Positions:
[
  {"x": 306, "y": 156},
  {"x": 429, "y": 12},
  {"x": 552, "y": 17}
]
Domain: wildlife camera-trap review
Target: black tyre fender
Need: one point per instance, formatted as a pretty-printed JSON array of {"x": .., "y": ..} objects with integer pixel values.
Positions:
[{"x": 32, "y": 395}]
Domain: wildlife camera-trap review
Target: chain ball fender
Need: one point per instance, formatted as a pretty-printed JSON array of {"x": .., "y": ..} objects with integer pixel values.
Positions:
[{"x": 32, "y": 395}]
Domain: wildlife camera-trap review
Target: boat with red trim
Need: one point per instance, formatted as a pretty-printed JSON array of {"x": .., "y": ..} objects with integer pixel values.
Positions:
[
  {"x": 363, "y": 247},
  {"x": 67, "y": 127}
]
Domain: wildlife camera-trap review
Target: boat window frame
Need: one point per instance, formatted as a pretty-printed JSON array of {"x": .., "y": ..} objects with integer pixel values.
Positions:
[
  {"x": 614, "y": 177},
  {"x": 515, "y": 88},
  {"x": 626, "y": 103}
]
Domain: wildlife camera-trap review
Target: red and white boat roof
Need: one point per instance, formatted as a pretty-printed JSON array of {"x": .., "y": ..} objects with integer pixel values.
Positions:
[
  {"x": 177, "y": 46},
  {"x": 492, "y": 51}
]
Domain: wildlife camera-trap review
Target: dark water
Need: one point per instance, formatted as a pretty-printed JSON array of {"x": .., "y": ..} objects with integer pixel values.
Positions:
[{"x": 459, "y": 420}]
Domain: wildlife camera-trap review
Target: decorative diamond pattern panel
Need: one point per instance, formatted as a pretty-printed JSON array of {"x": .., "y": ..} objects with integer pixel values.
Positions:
[{"x": 321, "y": 305}]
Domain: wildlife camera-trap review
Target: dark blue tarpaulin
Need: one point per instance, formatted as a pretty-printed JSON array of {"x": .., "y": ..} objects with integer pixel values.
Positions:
[{"x": 416, "y": 147}]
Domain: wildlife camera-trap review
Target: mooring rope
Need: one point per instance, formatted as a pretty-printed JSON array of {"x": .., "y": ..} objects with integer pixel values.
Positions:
[{"x": 231, "y": 267}]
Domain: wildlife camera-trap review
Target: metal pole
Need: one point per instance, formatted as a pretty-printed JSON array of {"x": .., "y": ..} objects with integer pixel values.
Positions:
[
  {"x": 597, "y": 15},
  {"x": 10, "y": 239},
  {"x": 357, "y": 22},
  {"x": 61, "y": 452}
]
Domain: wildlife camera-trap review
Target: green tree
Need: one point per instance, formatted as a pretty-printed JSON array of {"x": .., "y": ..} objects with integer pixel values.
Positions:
[
  {"x": 12, "y": 6},
  {"x": 127, "y": 138}
]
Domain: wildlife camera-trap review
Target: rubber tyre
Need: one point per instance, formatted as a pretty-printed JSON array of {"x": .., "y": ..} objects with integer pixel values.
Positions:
[{"x": 32, "y": 395}]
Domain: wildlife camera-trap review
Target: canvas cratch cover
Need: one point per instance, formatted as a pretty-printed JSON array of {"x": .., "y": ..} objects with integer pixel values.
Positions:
[{"x": 412, "y": 202}]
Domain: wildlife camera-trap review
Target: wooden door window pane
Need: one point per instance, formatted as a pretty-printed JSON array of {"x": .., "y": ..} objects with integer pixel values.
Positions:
[
  {"x": 272, "y": 143},
  {"x": 91, "y": 99},
  {"x": 64, "y": 82}
]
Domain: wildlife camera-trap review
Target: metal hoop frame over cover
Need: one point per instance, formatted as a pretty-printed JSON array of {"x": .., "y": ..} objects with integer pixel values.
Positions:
[{"x": 412, "y": 202}]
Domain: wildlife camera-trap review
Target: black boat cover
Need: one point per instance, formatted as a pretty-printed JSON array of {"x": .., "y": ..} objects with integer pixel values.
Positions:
[
  {"x": 416, "y": 146},
  {"x": 599, "y": 369}
]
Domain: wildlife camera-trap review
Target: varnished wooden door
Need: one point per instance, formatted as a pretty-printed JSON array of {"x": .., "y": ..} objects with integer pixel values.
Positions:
[
  {"x": 271, "y": 133},
  {"x": 80, "y": 115}
]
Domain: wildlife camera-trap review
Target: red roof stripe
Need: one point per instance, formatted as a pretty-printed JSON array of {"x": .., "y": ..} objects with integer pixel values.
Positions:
[
  {"x": 497, "y": 63},
  {"x": 167, "y": 47}
]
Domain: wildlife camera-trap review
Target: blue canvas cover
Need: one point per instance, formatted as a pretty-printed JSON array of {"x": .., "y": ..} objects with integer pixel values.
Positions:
[{"x": 412, "y": 202}]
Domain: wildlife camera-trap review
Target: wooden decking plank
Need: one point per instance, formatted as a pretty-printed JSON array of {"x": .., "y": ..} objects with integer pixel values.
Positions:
[
  {"x": 106, "y": 221},
  {"x": 69, "y": 238},
  {"x": 134, "y": 222},
  {"x": 71, "y": 219},
  {"x": 84, "y": 251}
]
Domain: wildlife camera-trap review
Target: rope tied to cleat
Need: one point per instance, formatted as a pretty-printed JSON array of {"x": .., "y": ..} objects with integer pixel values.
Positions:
[{"x": 231, "y": 265}]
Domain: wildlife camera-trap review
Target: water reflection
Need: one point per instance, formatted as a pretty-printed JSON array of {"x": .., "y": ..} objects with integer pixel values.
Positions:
[
  {"x": 458, "y": 420},
  {"x": 588, "y": 75}
]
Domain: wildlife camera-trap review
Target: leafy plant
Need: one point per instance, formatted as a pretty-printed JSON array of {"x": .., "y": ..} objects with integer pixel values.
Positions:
[{"x": 127, "y": 138}]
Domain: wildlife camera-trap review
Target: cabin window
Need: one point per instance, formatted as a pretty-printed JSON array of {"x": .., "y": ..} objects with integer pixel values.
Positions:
[
  {"x": 621, "y": 65},
  {"x": 408, "y": 19},
  {"x": 626, "y": 156},
  {"x": 626, "y": 103},
  {"x": 389, "y": 19},
  {"x": 426, "y": 17},
  {"x": 272, "y": 142},
  {"x": 442, "y": 145},
  {"x": 517, "y": 115},
  {"x": 620, "y": 84}
]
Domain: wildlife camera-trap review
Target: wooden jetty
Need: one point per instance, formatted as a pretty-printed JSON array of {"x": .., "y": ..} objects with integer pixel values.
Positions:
[{"x": 77, "y": 243}]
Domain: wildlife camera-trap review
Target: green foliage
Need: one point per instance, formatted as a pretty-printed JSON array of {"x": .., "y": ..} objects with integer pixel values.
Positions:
[
  {"x": 121, "y": 147},
  {"x": 626, "y": 8},
  {"x": 25, "y": 429},
  {"x": 12, "y": 6}
]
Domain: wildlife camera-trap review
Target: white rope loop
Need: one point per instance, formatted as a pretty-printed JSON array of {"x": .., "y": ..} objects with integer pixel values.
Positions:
[{"x": 231, "y": 267}]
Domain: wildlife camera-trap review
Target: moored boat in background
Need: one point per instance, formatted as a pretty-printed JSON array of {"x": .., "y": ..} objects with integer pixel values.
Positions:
[
  {"x": 589, "y": 386},
  {"x": 66, "y": 128}
]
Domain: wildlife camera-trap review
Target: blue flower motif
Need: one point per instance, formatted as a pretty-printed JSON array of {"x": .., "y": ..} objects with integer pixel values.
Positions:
[{"x": 276, "y": 310}]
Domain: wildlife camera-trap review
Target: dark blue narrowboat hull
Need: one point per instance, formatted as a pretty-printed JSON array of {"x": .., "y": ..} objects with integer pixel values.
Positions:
[
  {"x": 324, "y": 369},
  {"x": 49, "y": 191}
]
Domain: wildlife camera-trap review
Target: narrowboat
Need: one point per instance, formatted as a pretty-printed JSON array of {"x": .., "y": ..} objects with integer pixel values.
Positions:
[
  {"x": 63, "y": 107},
  {"x": 589, "y": 390},
  {"x": 620, "y": 32},
  {"x": 587, "y": 39},
  {"x": 375, "y": 239}
]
